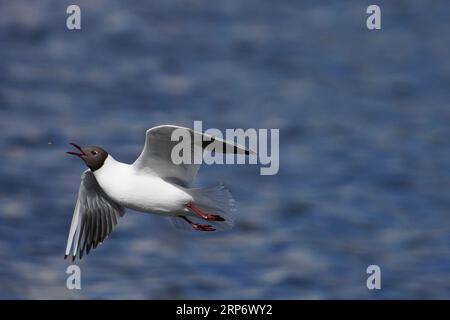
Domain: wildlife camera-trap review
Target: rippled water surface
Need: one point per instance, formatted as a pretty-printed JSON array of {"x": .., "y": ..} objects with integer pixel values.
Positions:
[{"x": 364, "y": 120}]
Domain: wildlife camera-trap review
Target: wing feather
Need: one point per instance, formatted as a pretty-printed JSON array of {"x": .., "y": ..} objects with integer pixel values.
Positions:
[
  {"x": 92, "y": 220},
  {"x": 156, "y": 155}
]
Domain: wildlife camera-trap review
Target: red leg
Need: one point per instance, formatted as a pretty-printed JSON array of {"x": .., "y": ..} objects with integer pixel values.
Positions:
[
  {"x": 198, "y": 227},
  {"x": 205, "y": 216}
]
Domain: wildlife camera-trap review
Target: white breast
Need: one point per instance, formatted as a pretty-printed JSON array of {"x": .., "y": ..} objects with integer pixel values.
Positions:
[{"x": 138, "y": 191}]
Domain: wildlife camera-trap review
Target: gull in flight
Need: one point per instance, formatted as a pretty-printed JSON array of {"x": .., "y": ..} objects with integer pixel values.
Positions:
[{"x": 152, "y": 184}]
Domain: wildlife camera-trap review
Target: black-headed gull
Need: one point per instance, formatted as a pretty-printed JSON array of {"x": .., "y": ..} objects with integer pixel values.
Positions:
[{"x": 152, "y": 184}]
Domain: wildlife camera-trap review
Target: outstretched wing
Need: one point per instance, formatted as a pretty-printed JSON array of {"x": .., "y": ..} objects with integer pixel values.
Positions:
[
  {"x": 93, "y": 219},
  {"x": 156, "y": 155}
]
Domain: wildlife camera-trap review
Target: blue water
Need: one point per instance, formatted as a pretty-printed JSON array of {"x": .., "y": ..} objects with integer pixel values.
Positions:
[{"x": 364, "y": 119}]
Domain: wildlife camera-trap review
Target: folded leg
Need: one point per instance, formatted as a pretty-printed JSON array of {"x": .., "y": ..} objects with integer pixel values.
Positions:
[{"x": 203, "y": 215}]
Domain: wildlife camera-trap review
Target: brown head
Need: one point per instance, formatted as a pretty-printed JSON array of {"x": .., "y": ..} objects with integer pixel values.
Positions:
[{"x": 94, "y": 157}]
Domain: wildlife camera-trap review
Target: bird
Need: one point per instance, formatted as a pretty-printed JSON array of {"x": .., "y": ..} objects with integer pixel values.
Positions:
[{"x": 152, "y": 184}]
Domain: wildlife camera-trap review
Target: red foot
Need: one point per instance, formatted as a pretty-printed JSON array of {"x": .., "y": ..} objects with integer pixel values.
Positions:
[
  {"x": 202, "y": 227},
  {"x": 199, "y": 227},
  {"x": 205, "y": 216}
]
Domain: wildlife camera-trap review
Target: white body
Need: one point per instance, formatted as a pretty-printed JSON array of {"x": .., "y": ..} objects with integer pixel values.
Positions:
[{"x": 136, "y": 190}]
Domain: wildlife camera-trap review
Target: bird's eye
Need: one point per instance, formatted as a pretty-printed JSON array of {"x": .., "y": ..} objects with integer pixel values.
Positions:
[{"x": 94, "y": 152}]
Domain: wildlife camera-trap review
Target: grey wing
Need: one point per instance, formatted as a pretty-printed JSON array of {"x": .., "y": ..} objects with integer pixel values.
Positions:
[
  {"x": 156, "y": 156},
  {"x": 93, "y": 219}
]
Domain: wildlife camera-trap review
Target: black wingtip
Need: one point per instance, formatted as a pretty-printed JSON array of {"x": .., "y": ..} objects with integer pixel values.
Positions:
[
  {"x": 65, "y": 256},
  {"x": 73, "y": 258}
]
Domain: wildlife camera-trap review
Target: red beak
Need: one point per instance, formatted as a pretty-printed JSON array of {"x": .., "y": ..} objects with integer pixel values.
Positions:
[{"x": 76, "y": 153}]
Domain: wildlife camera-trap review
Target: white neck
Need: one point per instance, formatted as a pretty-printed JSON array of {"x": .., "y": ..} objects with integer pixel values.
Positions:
[{"x": 109, "y": 165}]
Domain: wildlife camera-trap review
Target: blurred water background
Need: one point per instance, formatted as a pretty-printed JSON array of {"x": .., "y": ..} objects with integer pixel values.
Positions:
[{"x": 364, "y": 120}]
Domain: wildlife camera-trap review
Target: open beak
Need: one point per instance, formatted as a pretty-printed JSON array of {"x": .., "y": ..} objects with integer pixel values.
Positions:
[{"x": 79, "y": 154}]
